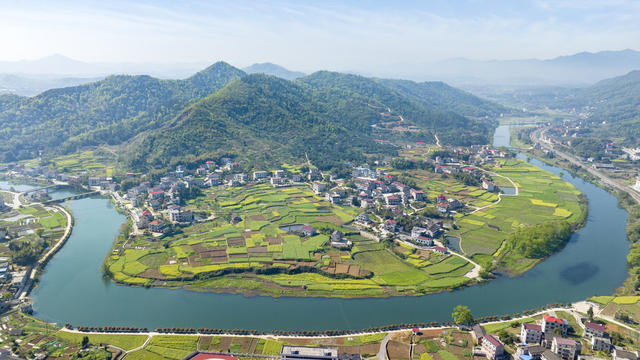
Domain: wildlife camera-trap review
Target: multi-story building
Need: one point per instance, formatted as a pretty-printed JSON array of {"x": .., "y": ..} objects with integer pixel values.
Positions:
[
  {"x": 550, "y": 323},
  {"x": 568, "y": 349},
  {"x": 600, "y": 344},
  {"x": 318, "y": 187},
  {"x": 592, "y": 329},
  {"x": 531, "y": 334},
  {"x": 176, "y": 214},
  {"x": 257, "y": 175},
  {"x": 492, "y": 347}
]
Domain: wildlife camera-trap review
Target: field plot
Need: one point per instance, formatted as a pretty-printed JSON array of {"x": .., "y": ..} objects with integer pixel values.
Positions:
[
  {"x": 265, "y": 252},
  {"x": 33, "y": 227},
  {"x": 542, "y": 197}
]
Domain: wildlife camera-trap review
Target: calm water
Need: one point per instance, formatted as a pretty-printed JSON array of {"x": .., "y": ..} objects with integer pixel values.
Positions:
[{"x": 72, "y": 289}]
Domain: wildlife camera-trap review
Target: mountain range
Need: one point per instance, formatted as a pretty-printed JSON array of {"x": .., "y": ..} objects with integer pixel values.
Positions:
[
  {"x": 581, "y": 69},
  {"x": 330, "y": 117}
]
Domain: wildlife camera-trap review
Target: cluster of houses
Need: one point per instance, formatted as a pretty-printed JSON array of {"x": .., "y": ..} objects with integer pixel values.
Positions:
[
  {"x": 548, "y": 341},
  {"x": 381, "y": 188}
]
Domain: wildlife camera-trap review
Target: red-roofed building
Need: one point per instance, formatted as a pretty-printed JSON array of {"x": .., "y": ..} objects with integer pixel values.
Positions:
[
  {"x": 156, "y": 226},
  {"x": 308, "y": 230},
  {"x": 391, "y": 225},
  {"x": 417, "y": 195},
  {"x": 549, "y": 323}
]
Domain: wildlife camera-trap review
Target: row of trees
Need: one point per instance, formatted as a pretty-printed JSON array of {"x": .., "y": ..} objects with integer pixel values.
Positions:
[{"x": 461, "y": 316}]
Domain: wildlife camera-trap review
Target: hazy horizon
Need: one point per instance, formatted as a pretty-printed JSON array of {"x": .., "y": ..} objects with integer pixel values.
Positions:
[{"x": 363, "y": 35}]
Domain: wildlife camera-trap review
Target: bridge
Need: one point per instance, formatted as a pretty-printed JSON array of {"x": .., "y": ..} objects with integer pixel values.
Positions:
[
  {"x": 53, "y": 186},
  {"x": 71, "y": 197}
]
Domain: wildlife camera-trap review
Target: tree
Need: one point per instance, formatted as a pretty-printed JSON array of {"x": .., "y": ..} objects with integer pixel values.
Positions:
[
  {"x": 590, "y": 313},
  {"x": 462, "y": 315},
  {"x": 85, "y": 341}
]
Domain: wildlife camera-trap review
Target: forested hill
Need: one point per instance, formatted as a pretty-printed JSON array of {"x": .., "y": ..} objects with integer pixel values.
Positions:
[
  {"x": 273, "y": 69},
  {"x": 261, "y": 119},
  {"x": 331, "y": 117},
  {"x": 109, "y": 111},
  {"x": 613, "y": 104},
  {"x": 612, "y": 99},
  {"x": 451, "y": 127},
  {"x": 441, "y": 96}
]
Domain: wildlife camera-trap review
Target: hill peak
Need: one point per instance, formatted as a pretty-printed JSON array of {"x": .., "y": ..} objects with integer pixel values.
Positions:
[{"x": 274, "y": 70}]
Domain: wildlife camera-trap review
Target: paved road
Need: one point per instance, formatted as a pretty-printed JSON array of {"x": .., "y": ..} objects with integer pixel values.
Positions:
[
  {"x": 537, "y": 136},
  {"x": 382, "y": 354}
]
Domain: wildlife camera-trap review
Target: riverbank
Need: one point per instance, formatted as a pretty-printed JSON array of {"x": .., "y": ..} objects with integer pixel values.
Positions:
[
  {"x": 42, "y": 262},
  {"x": 369, "y": 343},
  {"x": 627, "y": 198}
]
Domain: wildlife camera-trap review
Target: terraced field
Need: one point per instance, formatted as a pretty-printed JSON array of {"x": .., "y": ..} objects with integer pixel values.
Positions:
[{"x": 261, "y": 254}]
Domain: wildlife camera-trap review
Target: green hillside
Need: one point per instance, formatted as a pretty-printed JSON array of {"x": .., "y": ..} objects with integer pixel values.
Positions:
[
  {"x": 614, "y": 107},
  {"x": 441, "y": 96},
  {"x": 262, "y": 119},
  {"x": 109, "y": 111},
  {"x": 451, "y": 127}
]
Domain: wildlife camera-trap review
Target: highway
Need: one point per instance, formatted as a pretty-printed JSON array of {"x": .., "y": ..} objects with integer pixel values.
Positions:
[{"x": 537, "y": 136}]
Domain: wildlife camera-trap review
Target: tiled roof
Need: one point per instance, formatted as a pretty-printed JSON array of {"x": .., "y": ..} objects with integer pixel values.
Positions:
[
  {"x": 594, "y": 326},
  {"x": 532, "y": 327}
]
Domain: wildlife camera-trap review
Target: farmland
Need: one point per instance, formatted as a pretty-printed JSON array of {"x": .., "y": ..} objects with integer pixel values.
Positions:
[
  {"x": 256, "y": 255},
  {"x": 32, "y": 229},
  {"x": 542, "y": 197}
]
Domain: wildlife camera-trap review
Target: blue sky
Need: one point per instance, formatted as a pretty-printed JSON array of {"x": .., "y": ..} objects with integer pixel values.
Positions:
[{"x": 306, "y": 35}]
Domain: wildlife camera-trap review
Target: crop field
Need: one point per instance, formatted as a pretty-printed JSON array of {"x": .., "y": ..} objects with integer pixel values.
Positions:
[
  {"x": 267, "y": 237},
  {"x": 94, "y": 162},
  {"x": 434, "y": 184},
  {"x": 542, "y": 197},
  {"x": 32, "y": 223}
]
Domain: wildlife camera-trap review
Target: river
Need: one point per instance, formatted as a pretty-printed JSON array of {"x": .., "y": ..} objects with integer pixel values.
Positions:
[{"x": 72, "y": 290}]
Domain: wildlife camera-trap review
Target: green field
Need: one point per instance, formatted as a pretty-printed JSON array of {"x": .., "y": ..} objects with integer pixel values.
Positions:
[
  {"x": 202, "y": 253},
  {"x": 40, "y": 227},
  {"x": 542, "y": 197}
]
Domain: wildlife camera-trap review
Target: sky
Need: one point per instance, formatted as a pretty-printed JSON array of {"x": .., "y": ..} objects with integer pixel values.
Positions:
[{"x": 306, "y": 35}]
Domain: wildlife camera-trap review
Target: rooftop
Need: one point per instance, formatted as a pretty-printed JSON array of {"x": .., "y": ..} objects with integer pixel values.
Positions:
[
  {"x": 594, "y": 326},
  {"x": 309, "y": 351},
  {"x": 532, "y": 327},
  {"x": 564, "y": 341},
  {"x": 493, "y": 340},
  {"x": 549, "y": 318}
]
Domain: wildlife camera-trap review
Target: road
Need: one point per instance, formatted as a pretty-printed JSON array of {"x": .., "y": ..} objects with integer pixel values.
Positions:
[
  {"x": 473, "y": 273},
  {"x": 382, "y": 354},
  {"x": 538, "y": 136},
  {"x": 500, "y": 195},
  {"x": 52, "y": 251}
]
